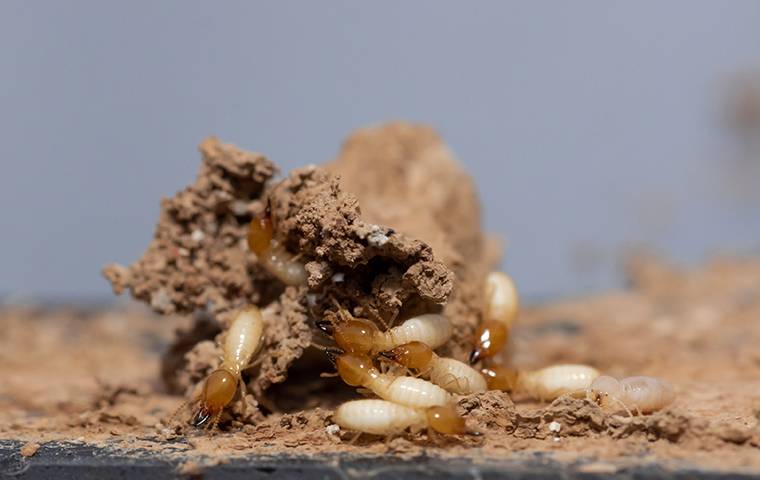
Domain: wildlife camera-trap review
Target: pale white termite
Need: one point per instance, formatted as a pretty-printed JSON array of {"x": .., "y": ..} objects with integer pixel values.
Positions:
[
  {"x": 360, "y": 335},
  {"x": 239, "y": 344},
  {"x": 357, "y": 370},
  {"x": 453, "y": 375},
  {"x": 273, "y": 256},
  {"x": 381, "y": 417},
  {"x": 641, "y": 394},
  {"x": 543, "y": 384},
  {"x": 501, "y": 306}
]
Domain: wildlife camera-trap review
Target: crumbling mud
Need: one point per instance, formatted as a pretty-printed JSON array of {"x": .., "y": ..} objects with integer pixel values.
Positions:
[
  {"x": 696, "y": 329},
  {"x": 390, "y": 229}
]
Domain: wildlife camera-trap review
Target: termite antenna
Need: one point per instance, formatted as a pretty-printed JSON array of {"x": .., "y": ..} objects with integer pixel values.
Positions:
[
  {"x": 341, "y": 311},
  {"x": 184, "y": 405},
  {"x": 377, "y": 316}
]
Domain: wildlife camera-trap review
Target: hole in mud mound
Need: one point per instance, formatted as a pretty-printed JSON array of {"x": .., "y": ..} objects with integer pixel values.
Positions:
[
  {"x": 305, "y": 389},
  {"x": 173, "y": 362}
]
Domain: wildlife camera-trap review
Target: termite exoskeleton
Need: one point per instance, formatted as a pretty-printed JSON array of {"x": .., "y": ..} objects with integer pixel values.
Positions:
[
  {"x": 358, "y": 370},
  {"x": 453, "y": 375},
  {"x": 543, "y": 384},
  {"x": 642, "y": 394},
  {"x": 273, "y": 256},
  {"x": 360, "y": 335},
  {"x": 381, "y": 417},
  {"x": 499, "y": 311},
  {"x": 239, "y": 344}
]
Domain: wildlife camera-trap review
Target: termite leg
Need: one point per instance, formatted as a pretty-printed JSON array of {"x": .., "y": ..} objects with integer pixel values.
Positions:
[
  {"x": 625, "y": 407},
  {"x": 215, "y": 422},
  {"x": 254, "y": 363},
  {"x": 456, "y": 381},
  {"x": 377, "y": 317},
  {"x": 386, "y": 361},
  {"x": 435, "y": 437},
  {"x": 184, "y": 405},
  {"x": 243, "y": 393}
]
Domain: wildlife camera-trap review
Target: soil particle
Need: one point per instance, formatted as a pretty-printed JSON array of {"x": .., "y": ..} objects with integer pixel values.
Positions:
[
  {"x": 107, "y": 394},
  {"x": 29, "y": 449}
]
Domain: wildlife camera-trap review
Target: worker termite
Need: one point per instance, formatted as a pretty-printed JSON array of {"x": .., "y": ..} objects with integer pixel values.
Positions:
[
  {"x": 357, "y": 370},
  {"x": 642, "y": 394},
  {"x": 360, "y": 335},
  {"x": 499, "y": 311},
  {"x": 543, "y": 384},
  {"x": 239, "y": 344},
  {"x": 381, "y": 417},
  {"x": 271, "y": 254},
  {"x": 453, "y": 375}
]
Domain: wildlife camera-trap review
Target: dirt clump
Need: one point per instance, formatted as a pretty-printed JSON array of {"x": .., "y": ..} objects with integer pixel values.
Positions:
[{"x": 371, "y": 250}]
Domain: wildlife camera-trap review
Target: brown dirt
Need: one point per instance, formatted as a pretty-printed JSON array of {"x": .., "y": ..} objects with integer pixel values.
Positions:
[
  {"x": 91, "y": 376},
  {"x": 199, "y": 262},
  {"x": 98, "y": 376}
]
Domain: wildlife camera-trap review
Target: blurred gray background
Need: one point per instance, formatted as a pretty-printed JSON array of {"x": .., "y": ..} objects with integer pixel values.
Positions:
[{"x": 590, "y": 127}]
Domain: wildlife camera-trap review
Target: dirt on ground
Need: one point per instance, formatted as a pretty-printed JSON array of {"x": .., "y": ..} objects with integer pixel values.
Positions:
[{"x": 391, "y": 227}]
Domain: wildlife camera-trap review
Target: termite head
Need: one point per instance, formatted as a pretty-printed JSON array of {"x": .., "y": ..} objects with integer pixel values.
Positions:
[
  {"x": 490, "y": 339},
  {"x": 325, "y": 325},
  {"x": 411, "y": 355},
  {"x": 333, "y": 354},
  {"x": 260, "y": 233},
  {"x": 446, "y": 420},
  {"x": 354, "y": 368},
  {"x": 501, "y": 378},
  {"x": 355, "y": 335},
  {"x": 605, "y": 391},
  {"x": 218, "y": 391}
]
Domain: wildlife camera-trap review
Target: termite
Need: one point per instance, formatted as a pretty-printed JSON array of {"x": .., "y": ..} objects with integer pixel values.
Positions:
[
  {"x": 543, "y": 384},
  {"x": 357, "y": 370},
  {"x": 499, "y": 311},
  {"x": 241, "y": 341},
  {"x": 453, "y": 375},
  {"x": 271, "y": 254},
  {"x": 360, "y": 335},
  {"x": 381, "y": 417},
  {"x": 642, "y": 394}
]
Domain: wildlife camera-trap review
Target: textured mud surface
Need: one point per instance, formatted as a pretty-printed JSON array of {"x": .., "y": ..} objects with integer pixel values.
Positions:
[
  {"x": 199, "y": 262},
  {"x": 111, "y": 378},
  {"x": 91, "y": 377}
]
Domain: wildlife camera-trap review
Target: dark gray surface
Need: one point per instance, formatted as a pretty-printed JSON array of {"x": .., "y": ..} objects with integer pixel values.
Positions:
[{"x": 77, "y": 461}]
